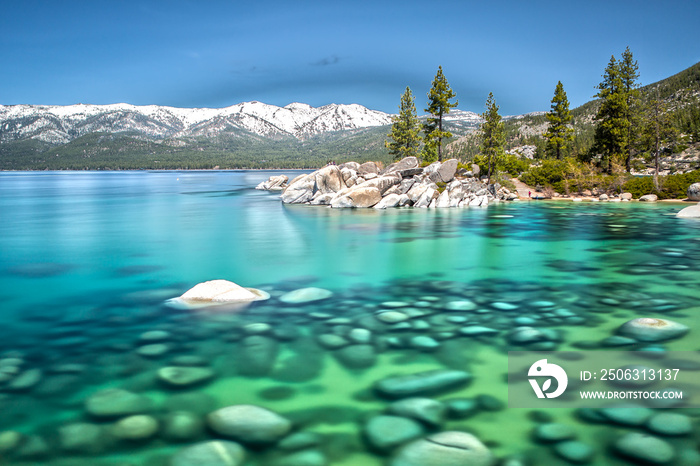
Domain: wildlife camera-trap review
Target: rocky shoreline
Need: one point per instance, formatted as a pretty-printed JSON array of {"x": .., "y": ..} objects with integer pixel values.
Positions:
[
  {"x": 406, "y": 184},
  {"x": 401, "y": 184}
]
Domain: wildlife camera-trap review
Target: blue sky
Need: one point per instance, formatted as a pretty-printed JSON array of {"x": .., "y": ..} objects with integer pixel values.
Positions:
[{"x": 218, "y": 53}]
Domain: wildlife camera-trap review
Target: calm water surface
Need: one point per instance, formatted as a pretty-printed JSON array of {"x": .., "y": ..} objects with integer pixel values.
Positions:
[{"x": 87, "y": 260}]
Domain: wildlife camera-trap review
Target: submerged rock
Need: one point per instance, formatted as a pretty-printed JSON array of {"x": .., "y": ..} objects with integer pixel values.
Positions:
[
  {"x": 182, "y": 426},
  {"x": 139, "y": 427},
  {"x": 305, "y": 295},
  {"x": 652, "y": 329},
  {"x": 357, "y": 356},
  {"x": 645, "y": 448},
  {"x": 574, "y": 451},
  {"x": 249, "y": 424},
  {"x": 182, "y": 376},
  {"x": 422, "y": 383},
  {"x": 450, "y": 448},
  {"x": 670, "y": 424},
  {"x": 212, "y": 453},
  {"x": 427, "y": 410},
  {"x": 387, "y": 432},
  {"x": 81, "y": 438},
  {"x": 115, "y": 402}
]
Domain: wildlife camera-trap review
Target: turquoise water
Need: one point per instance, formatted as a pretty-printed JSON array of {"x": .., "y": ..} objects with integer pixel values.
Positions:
[{"x": 88, "y": 259}]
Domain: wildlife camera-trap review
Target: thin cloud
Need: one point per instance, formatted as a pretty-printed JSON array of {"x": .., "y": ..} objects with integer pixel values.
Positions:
[{"x": 327, "y": 61}]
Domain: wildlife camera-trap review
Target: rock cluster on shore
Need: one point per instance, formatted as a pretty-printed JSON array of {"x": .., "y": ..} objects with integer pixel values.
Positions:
[{"x": 401, "y": 184}]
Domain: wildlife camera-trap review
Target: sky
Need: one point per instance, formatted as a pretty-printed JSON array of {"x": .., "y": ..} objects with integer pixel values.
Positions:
[{"x": 218, "y": 53}]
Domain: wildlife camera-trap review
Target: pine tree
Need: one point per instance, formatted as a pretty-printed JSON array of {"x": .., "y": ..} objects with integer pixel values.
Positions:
[
  {"x": 611, "y": 133},
  {"x": 658, "y": 129},
  {"x": 629, "y": 73},
  {"x": 492, "y": 135},
  {"x": 559, "y": 133},
  {"x": 438, "y": 105},
  {"x": 405, "y": 129}
]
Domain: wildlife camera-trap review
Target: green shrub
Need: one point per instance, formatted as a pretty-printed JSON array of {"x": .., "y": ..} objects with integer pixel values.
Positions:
[{"x": 670, "y": 187}]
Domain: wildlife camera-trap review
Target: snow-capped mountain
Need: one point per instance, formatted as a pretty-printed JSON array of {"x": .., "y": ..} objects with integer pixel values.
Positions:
[{"x": 62, "y": 124}]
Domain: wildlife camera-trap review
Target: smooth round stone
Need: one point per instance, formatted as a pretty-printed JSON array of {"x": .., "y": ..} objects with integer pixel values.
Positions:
[
  {"x": 526, "y": 335},
  {"x": 554, "y": 432},
  {"x": 299, "y": 441},
  {"x": 9, "y": 440},
  {"x": 11, "y": 362},
  {"x": 332, "y": 341},
  {"x": 139, "y": 427},
  {"x": 387, "y": 432},
  {"x": 212, "y": 453},
  {"x": 670, "y": 424},
  {"x": 422, "y": 383},
  {"x": 644, "y": 447},
  {"x": 543, "y": 304},
  {"x": 420, "y": 325},
  {"x": 357, "y": 356},
  {"x": 477, "y": 330},
  {"x": 461, "y": 306},
  {"x": 155, "y": 335},
  {"x": 395, "y": 304},
  {"x": 461, "y": 408},
  {"x": 153, "y": 350},
  {"x": 424, "y": 342},
  {"x": 305, "y": 295},
  {"x": 427, "y": 410},
  {"x": 392, "y": 317},
  {"x": 449, "y": 448},
  {"x": 422, "y": 304},
  {"x": 506, "y": 307},
  {"x": 182, "y": 426},
  {"x": 81, "y": 437},
  {"x": 183, "y": 376},
  {"x": 651, "y": 329},
  {"x": 303, "y": 458},
  {"x": 249, "y": 424},
  {"x": 489, "y": 403},
  {"x": 115, "y": 402},
  {"x": 25, "y": 381},
  {"x": 360, "y": 335},
  {"x": 524, "y": 321},
  {"x": 627, "y": 415},
  {"x": 257, "y": 328},
  {"x": 574, "y": 451}
]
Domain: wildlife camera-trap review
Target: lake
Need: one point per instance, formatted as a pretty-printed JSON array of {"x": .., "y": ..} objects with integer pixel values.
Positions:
[{"x": 90, "y": 258}]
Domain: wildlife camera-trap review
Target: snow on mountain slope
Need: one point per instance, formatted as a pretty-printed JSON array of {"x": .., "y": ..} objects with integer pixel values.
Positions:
[{"x": 61, "y": 124}]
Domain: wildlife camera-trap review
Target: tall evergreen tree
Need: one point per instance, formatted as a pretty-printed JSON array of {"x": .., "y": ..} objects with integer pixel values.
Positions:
[
  {"x": 629, "y": 73},
  {"x": 492, "y": 135},
  {"x": 658, "y": 129},
  {"x": 559, "y": 133},
  {"x": 611, "y": 133},
  {"x": 405, "y": 129},
  {"x": 438, "y": 105}
]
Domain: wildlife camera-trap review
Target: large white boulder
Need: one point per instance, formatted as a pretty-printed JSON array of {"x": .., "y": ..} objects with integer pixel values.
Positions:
[
  {"x": 218, "y": 292},
  {"x": 357, "y": 196},
  {"x": 690, "y": 212},
  {"x": 694, "y": 192},
  {"x": 388, "y": 201}
]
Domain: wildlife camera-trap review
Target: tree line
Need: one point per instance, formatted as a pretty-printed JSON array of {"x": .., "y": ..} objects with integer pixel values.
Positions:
[{"x": 628, "y": 127}]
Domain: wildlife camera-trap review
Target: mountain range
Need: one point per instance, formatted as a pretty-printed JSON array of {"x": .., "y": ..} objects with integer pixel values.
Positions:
[{"x": 255, "y": 134}]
